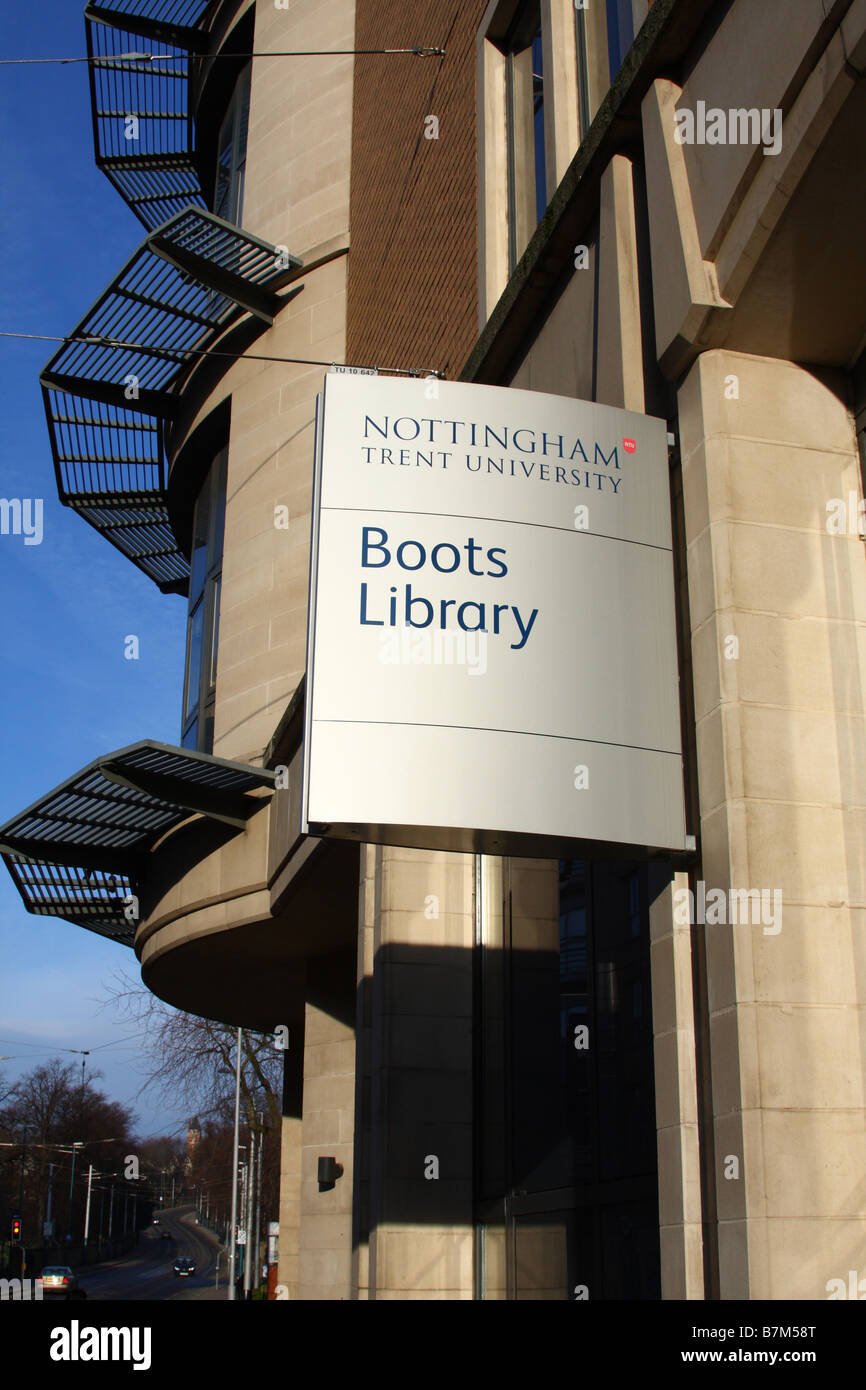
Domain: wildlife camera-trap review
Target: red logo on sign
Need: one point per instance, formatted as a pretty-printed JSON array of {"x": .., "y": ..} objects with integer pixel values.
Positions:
[{"x": 629, "y": 445}]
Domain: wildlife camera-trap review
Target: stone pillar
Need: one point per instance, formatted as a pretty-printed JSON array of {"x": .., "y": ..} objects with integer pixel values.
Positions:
[
  {"x": 680, "y": 1215},
  {"x": 417, "y": 934},
  {"x": 778, "y": 617},
  {"x": 620, "y": 340},
  {"x": 290, "y": 1165},
  {"x": 328, "y": 1127}
]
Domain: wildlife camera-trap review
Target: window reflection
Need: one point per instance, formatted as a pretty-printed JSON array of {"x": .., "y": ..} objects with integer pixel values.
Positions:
[
  {"x": 527, "y": 165},
  {"x": 620, "y": 33},
  {"x": 193, "y": 647},
  {"x": 232, "y": 153},
  {"x": 204, "y": 609},
  {"x": 604, "y": 33},
  {"x": 568, "y": 1132}
]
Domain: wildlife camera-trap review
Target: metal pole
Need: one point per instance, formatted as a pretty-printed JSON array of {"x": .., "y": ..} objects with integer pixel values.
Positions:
[
  {"x": 21, "y": 1177},
  {"x": 251, "y": 1171},
  {"x": 48, "y": 1206},
  {"x": 71, "y": 1181},
  {"x": 248, "y": 1251},
  {"x": 232, "y": 1245},
  {"x": 110, "y": 1209},
  {"x": 87, "y": 1208},
  {"x": 258, "y": 1195},
  {"x": 242, "y": 1249}
]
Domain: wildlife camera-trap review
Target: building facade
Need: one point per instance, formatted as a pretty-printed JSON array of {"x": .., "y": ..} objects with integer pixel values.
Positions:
[{"x": 568, "y": 1078}]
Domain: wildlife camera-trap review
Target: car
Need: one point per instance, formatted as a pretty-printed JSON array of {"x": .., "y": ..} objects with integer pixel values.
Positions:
[
  {"x": 166, "y": 1235},
  {"x": 58, "y": 1281},
  {"x": 184, "y": 1267}
]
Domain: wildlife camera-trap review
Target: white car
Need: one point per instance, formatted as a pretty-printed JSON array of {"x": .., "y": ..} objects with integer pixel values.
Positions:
[{"x": 58, "y": 1281}]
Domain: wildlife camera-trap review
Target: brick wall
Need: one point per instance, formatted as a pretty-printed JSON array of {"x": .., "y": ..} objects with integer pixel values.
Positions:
[{"x": 413, "y": 270}]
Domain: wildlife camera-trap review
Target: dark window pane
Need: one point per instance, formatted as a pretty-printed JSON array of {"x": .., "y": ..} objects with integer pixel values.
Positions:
[
  {"x": 538, "y": 129},
  {"x": 243, "y": 104},
  {"x": 218, "y": 510},
  {"x": 206, "y": 745},
  {"x": 626, "y": 1103},
  {"x": 620, "y": 33},
  {"x": 232, "y": 153},
  {"x": 203, "y": 627},
  {"x": 629, "y": 1240},
  {"x": 212, "y": 661},
  {"x": 222, "y": 204},
  {"x": 527, "y": 170},
  {"x": 582, "y": 72},
  {"x": 566, "y": 1041},
  {"x": 193, "y": 658},
  {"x": 201, "y": 534},
  {"x": 190, "y": 738}
]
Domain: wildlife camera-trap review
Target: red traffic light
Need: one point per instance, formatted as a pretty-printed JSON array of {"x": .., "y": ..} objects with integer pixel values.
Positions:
[{"x": 16, "y": 1228}]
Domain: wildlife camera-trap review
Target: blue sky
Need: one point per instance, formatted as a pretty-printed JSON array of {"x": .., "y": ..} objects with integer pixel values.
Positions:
[{"x": 67, "y": 694}]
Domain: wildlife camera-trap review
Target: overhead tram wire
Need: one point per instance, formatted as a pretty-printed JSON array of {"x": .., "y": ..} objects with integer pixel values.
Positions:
[
  {"x": 12, "y": 1042},
  {"x": 417, "y": 52},
  {"x": 179, "y": 354}
]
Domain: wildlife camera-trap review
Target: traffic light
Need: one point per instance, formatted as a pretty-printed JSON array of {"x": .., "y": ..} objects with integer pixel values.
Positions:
[{"x": 16, "y": 1228}]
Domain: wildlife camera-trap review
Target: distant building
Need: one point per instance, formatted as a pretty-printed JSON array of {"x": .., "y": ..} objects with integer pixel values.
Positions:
[
  {"x": 193, "y": 1138},
  {"x": 659, "y": 208}
]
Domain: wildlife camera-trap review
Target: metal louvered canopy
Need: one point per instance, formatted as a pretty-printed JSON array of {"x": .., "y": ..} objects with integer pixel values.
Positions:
[
  {"x": 110, "y": 388},
  {"x": 142, "y": 127},
  {"x": 80, "y": 851}
]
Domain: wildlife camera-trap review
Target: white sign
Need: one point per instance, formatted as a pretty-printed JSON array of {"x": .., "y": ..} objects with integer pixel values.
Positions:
[{"x": 492, "y": 657}]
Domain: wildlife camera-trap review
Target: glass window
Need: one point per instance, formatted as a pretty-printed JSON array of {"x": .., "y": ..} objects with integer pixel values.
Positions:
[
  {"x": 215, "y": 627},
  {"x": 620, "y": 33},
  {"x": 584, "y": 115},
  {"x": 604, "y": 33},
  {"x": 193, "y": 658},
  {"x": 232, "y": 153},
  {"x": 567, "y": 1163},
  {"x": 204, "y": 609},
  {"x": 198, "y": 560},
  {"x": 527, "y": 165}
]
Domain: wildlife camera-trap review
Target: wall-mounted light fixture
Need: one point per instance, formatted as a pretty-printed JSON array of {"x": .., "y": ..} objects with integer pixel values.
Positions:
[{"x": 329, "y": 1171}]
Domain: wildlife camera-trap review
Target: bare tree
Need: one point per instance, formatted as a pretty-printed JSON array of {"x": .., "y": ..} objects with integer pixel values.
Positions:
[
  {"x": 6, "y": 1088},
  {"x": 47, "y": 1110},
  {"x": 190, "y": 1059}
]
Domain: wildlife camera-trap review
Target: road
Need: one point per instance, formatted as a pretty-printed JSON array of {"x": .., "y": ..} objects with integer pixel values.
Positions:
[{"x": 146, "y": 1274}]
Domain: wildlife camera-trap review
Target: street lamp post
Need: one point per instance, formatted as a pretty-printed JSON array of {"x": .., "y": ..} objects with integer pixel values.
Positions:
[
  {"x": 248, "y": 1213},
  {"x": 76, "y": 1145},
  {"x": 258, "y": 1198},
  {"x": 232, "y": 1242},
  {"x": 87, "y": 1208},
  {"x": 48, "y": 1225},
  {"x": 21, "y": 1174}
]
